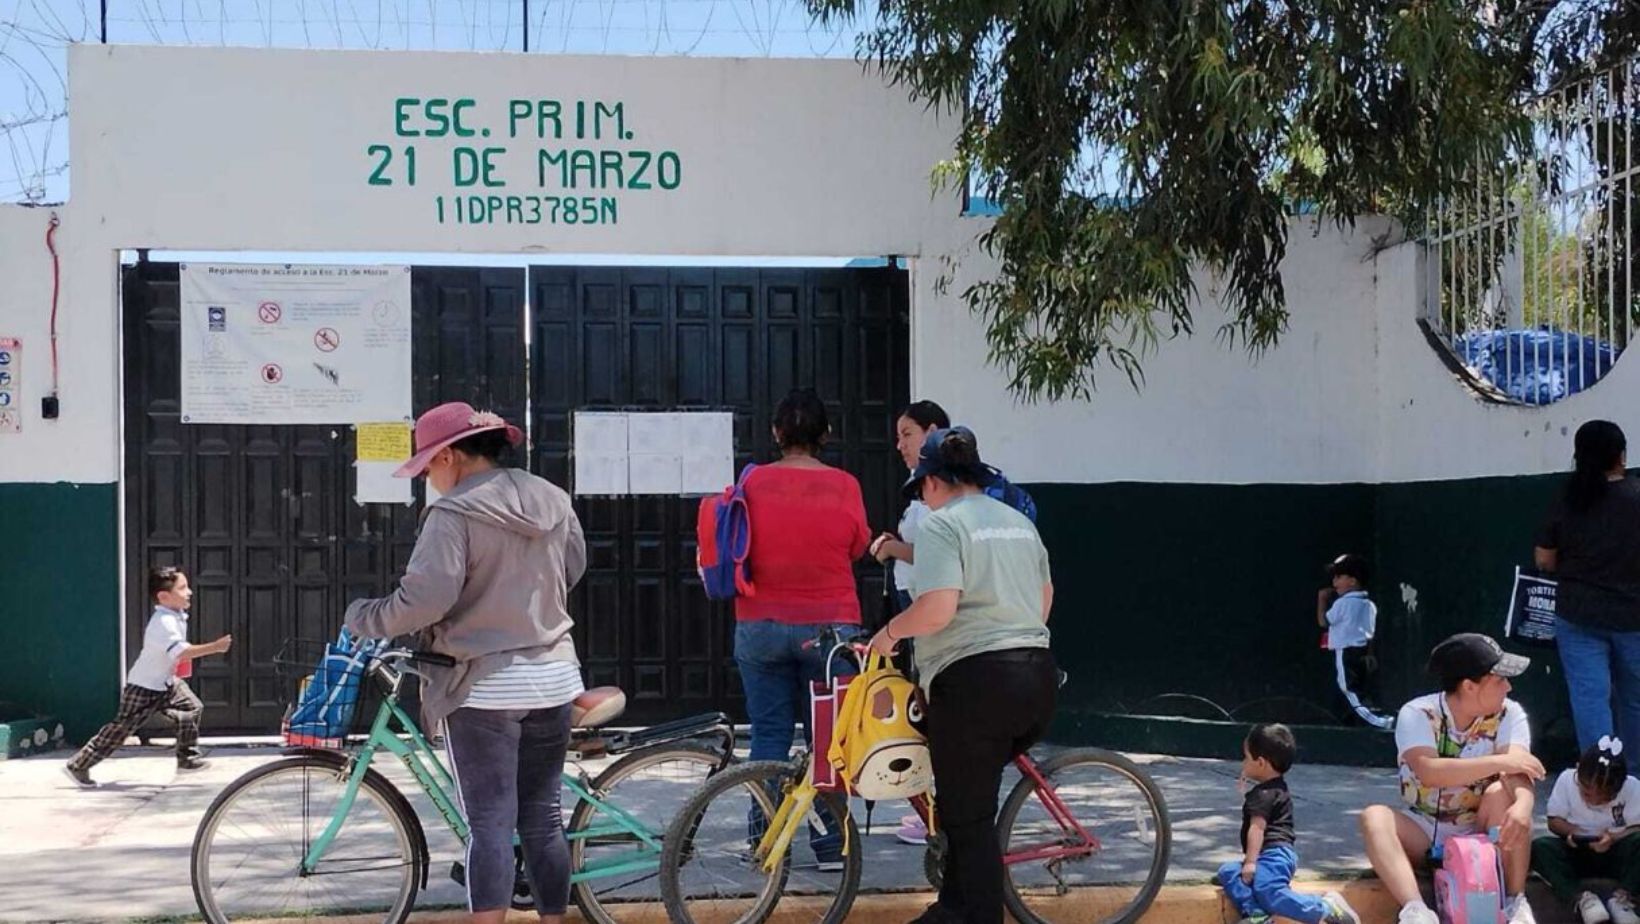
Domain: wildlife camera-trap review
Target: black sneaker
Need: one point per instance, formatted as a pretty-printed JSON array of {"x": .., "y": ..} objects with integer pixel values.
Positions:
[
  {"x": 192, "y": 763},
  {"x": 80, "y": 776}
]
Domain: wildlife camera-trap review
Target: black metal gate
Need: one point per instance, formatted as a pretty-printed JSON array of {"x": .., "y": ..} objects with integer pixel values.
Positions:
[
  {"x": 719, "y": 339},
  {"x": 262, "y": 517}
]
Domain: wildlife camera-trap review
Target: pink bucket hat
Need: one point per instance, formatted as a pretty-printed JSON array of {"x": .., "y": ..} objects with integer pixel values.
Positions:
[{"x": 446, "y": 424}]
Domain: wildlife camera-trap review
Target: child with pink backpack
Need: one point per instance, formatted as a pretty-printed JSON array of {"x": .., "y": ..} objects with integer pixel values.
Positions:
[{"x": 1591, "y": 830}]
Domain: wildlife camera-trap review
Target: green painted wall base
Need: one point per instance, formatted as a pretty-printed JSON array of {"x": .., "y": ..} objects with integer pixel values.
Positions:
[
  {"x": 23, "y": 737},
  {"x": 59, "y": 612},
  {"x": 1198, "y": 602},
  {"x": 1317, "y": 744}
]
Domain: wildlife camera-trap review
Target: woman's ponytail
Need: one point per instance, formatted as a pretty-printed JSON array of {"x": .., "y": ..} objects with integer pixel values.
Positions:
[{"x": 1598, "y": 449}]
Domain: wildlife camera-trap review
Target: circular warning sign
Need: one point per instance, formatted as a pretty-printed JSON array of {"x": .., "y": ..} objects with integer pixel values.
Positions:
[
  {"x": 326, "y": 339},
  {"x": 272, "y": 374},
  {"x": 269, "y": 312}
]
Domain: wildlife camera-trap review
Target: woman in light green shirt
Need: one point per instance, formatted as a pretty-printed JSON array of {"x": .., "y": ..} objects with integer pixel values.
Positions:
[{"x": 983, "y": 592}]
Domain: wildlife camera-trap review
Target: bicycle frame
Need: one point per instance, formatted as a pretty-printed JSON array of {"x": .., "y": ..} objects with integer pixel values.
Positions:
[
  {"x": 1083, "y": 844},
  {"x": 788, "y": 820},
  {"x": 418, "y": 756}
]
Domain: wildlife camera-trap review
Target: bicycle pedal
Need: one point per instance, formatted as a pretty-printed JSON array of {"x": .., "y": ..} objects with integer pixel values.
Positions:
[{"x": 458, "y": 872}]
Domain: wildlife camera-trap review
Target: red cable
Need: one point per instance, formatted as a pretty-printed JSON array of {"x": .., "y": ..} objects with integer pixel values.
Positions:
[{"x": 56, "y": 284}]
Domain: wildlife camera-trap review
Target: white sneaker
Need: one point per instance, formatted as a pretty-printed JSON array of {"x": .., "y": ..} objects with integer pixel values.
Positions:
[
  {"x": 1519, "y": 911},
  {"x": 1418, "y": 913},
  {"x": 1621, "y": 906},
  {"x": 1592, "y": 911}
]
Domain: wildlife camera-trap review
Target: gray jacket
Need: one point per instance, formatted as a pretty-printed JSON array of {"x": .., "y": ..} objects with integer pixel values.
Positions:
[{"x": 489, "y": 580}]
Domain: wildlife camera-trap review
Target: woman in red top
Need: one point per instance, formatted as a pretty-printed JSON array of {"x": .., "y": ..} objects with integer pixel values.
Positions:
[{"x": 808, "y": 528}]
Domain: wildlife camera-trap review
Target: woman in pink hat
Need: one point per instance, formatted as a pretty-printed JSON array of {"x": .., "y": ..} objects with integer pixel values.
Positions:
[{"x": 488, "y": 585}]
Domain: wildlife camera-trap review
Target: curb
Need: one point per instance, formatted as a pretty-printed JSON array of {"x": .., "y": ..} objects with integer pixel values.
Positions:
[{"x": 1183, "y": 904}]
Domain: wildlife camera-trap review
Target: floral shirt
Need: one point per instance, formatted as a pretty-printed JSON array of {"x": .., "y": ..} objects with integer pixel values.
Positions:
[{"x": 1426, "y": 722}]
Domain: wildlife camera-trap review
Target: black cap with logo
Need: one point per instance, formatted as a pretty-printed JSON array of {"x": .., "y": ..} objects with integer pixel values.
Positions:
[{"x": 1471, "y": 656}]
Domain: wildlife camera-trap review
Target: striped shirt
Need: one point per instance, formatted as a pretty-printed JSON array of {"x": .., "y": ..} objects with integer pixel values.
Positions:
[{"x": 526, "y": 684}]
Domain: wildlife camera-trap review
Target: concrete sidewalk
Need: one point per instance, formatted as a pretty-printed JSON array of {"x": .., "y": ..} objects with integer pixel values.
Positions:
[{"x": 121, "y": 852}]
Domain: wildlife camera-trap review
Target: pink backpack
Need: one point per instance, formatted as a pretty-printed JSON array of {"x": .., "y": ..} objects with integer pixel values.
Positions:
[{"x": 1469, "y": 884}]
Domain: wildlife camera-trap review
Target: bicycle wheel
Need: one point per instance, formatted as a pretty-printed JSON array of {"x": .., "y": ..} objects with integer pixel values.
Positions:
[
  {"x": 249, "y": 847},
  {"x": 708, "y": 871},
  {"x": 1111, "y": 879},
  {"x": 650, "y": 784}
]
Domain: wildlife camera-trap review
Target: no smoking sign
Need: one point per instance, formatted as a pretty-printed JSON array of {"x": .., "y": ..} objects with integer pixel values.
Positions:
[{"x": 269, "y": 312}]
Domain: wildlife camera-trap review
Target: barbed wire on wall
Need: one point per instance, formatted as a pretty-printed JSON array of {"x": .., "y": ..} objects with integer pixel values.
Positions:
[{"x": 35, "y": 36}]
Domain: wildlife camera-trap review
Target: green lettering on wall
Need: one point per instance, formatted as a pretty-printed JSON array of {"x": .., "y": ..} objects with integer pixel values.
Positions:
[
  {"x": 400, "y": 116},
  {"x": 548, "y": 159},
  {"x": 611, "y": 161},
  {"x": 582, "y": 161},
  {"x": 615, "y": 114}
]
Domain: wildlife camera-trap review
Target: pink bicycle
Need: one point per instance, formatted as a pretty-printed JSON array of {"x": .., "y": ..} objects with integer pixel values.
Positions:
[{"x": 1085, "y": 835}]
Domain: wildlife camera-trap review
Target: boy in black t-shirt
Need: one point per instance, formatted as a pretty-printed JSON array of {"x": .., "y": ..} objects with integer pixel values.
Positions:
[{"x": 1260, "y": 885}]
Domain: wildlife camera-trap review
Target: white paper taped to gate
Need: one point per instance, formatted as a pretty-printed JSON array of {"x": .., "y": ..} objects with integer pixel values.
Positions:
[
  {"x": 276, "y": 344},
  {"x": 666, "y": 453}
]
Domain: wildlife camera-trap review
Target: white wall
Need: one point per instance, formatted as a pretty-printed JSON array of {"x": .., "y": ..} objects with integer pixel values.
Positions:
[
  {"x": 781, "y": 158},
  {"x": 1433, "y": 427},
  {"x": 225, "y": 149},
  {"x": 82, "y": 445},
  {"x": 1303, "y": 412}
]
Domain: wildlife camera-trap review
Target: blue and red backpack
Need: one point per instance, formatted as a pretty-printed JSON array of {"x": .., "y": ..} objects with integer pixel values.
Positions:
[{"x": 723, "y": 538}]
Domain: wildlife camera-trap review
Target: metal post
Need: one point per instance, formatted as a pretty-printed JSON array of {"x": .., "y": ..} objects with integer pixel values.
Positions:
[
  {"x": 526, "y": 26},
  {"x": 104, "y": 21}
]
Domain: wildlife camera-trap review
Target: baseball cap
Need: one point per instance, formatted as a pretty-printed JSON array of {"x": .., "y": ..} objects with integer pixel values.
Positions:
[
  {"x": 1471, "y": 656},
  {"x": 931, "y": 461},
  {"x": 1350, "y": 565}
]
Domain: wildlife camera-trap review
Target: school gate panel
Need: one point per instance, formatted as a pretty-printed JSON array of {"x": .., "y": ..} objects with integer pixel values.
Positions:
[
  {"x": 654, "y": 339},
  {"x": 263, "y": 520},
  {"x": 262, "y": 517}
]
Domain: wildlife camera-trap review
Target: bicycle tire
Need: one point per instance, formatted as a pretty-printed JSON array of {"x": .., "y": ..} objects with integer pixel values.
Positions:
[
  {"x": 755, "y": 775},
  {"x": 585, "y": 893},
  {"x": 320, "y": 765},
  {"x": 1162, "y": 853}
]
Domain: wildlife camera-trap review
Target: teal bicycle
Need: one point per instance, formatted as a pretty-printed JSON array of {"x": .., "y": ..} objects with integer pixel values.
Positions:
[{"x": 325, "y": 831}]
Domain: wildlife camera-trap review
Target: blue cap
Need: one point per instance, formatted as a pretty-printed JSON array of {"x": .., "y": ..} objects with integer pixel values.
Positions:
[{"x": 931, "y": 462}]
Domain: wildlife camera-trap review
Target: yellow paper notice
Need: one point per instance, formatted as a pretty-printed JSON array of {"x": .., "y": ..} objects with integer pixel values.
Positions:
[{"x": 384, "y": 442}]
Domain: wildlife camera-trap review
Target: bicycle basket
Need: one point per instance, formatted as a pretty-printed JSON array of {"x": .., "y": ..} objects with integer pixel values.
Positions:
[{"x": 327, "y": 699}]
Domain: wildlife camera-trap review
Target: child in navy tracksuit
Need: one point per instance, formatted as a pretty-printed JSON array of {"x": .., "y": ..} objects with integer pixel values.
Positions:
[{"x": 1260, "y": 884}]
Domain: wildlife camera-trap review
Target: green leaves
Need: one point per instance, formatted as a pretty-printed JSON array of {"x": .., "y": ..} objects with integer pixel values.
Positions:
[{"x": 1129, "y": 142}]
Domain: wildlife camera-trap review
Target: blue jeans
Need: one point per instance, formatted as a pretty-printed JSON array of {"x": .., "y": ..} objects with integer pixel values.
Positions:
[
  {"x": 1271, "y": 891},
  {"x": 775, "y": 670},
  {"x": 1592, "y": 660}
]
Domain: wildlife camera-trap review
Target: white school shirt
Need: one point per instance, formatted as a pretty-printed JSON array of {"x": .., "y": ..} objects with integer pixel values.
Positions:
[
  {"x": 1593, "y": 820},
  {"x": 162, "y": 641},
  {"x": 1351, "y": 621},
  {"x": 915, "y": 513}
]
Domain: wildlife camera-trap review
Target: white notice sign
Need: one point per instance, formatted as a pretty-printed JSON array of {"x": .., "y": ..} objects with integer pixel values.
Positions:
[
  {"x": 674, "y": 453},
  {"x": 276, "y": 344}
]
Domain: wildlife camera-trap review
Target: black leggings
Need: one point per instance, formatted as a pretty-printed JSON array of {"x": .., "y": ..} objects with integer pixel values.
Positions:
[
  {"x": 509, "y": 767},
  {"x": 982, "y": 712}
]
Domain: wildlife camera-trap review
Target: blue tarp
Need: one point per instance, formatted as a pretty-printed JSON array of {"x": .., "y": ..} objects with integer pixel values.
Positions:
[{"x": 1538, "y": 366}]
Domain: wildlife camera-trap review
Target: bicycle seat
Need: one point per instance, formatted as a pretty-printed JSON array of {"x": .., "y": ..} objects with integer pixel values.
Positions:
[{"x": 597, "y": 707}]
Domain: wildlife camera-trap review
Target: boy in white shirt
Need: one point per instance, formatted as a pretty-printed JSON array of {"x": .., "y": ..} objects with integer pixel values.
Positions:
[
  {"x": 1350, "y": 619},
  {"x": 1466, "y": 766},
  {"x": 1591, "y": 827},
  {"x": 152, "y": 684}
]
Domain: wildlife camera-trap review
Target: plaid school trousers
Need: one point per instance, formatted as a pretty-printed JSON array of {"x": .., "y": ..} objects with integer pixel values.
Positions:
[{"x": 137, "y": 704}]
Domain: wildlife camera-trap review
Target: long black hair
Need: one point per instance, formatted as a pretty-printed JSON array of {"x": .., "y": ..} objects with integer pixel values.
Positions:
[
  {"x": 927, "y": 414},
  {"x": 1598, "y": 448}
]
